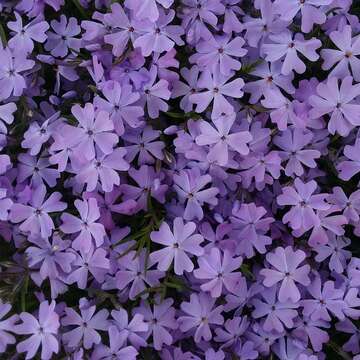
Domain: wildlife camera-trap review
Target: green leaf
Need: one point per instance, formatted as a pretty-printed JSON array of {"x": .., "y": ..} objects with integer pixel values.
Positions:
[{"x": 3, "y": 35}]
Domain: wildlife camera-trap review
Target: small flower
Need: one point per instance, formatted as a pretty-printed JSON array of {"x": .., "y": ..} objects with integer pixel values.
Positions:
[
  {"x": 43, "y": 332},
  {"x": 286, "y": 263},
  {"x": 201, "y": 314},
  {"x": 85, "y": 324},
  {"x": 179, "y": 243},
  {"x": 36, "y": 215}
]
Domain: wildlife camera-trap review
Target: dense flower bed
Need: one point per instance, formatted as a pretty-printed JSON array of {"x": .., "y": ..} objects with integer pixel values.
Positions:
[{"x": 179, "y": 179}]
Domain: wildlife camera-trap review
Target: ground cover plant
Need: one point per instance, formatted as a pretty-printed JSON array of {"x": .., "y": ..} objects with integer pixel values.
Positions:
[{"x": 179, "y": 179}]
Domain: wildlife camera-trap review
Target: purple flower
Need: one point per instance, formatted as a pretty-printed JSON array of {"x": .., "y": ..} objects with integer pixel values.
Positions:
[
  {"x": 310, "y": 12},
  {"x": 219, "y": 52},
  {"x": 149, "y": 183},
  {"x": 148, "y": 9},
  {"x": 117, "y": 348},
  {"x": 88, "y": 226},
  {"x": 6, "y": 327},
  {"x": 123, "y": 27},
  {"x": 179, "y": 243},
  {"x": 63, "y": 39},
  {"x": 271, "y": 80},
  {"x": 285, "y": 47},
  {"x": 338, "y": 103},
  {"x": 144, "y": 146},
  {"x": 220, "y": 270},
  {"x": 43, "y": 332},
  {"x": 303, "y": 202},
  {"x": 278, "y": 314},
  {"x": 95, "y": 129},
  {"x": 200, "y": 315},
  {"x": 349, "y": 168},
  {"x": 233, "y": 330},
  {"x": 335, "y": 250},
  {"x": 24, "y": 36},
  {"x": 132, "y": 330},
  {"x": 119, "y": 104},
  {"x": 52, "y": 256},
  {"x": 326, "y": 299},
  {"x": 345, "y": 57},
  {"x": 85, "y": 324},
  {"x": 11, "y": 81},
  {"x": 5, "y": 205},
  {"x": 189, "y": 186},
  {"x": 161, "y": 319},
  {"x": 135, "y": 270},
  {"x": 218, "y": 87},
  {"x": 155, "y": 94},
  {"x": 286, "y": 263},
  {"x": 293, "y": 142},
  {"x": 93, "y": 261},
  {"x": 250, "y": 228},
  {"x": 36, "y": 215},
  {"x": 221, "y": 140},
  {"x": 159, "y": 36}
]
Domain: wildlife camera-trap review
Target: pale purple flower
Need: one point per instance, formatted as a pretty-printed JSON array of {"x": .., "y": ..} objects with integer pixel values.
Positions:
[
  {"x": 310, "y": 12},
  {"x": 349, "y": 205},
  {"x": 258, "y": 29},
  {"x": 86, "y": 325},
  {"x": 93, "y": 261},
  {"x": 155, "y": 94},
  {"x": 279, "y": 315},
  {"x": 287, "y": 271},
  {"x": 135, "y": 273},
  {"x": 302, "y": 215},
  {"x": 221, "y": 139},
  {"x": 159, "y": 36},
  {"x": 271, "y": 79},
  {"x": 339, "y": 103},
  {"x": 349, "y": 168},
  {"x": 178, "y": 244},
  {"x": 220, "y": 270},
  {"x": 345, "y": 57},
  {"x": 38, "y": 169},
  {"x": 102, "y": 170},
  {"x": 285, "y": 47},
  {"x": 148, "y": 184},
  {"x": 231, "y": 21},
  {"x": 144, "y": 146},
  {"x": 11, "y": 80},
  {"x": 90, "y": 230},
  {"x": 147, "y": 9},
  {"x": 353, "y": 344},
  {"x": 233, "y": 330},
  {"x": 161, "y": 319},
  {"x": 221, "y": 52},
  {"x": 43, "y": 332},
  {"x": 5, "y": 205},
  {"x": 95, "y": 128},
  {"x": 120, "y": 104},
  {"x": 293, "y": 143},
  {"x": 283, "y": 110},
  {"x": 117, "y": 348},
  {"x": 51, "y": 255},
  {"x": 63, "y": 40},
  {"x": 200, "y": 315},
  {"x": 218, "y": 87},
  {"x": 6, "y": 115},
  {"x": 132, "y": 330},
  {"x": 326, "y": 300},
  {"x": 35, "y": 217},
  {"x": 6, "y": 326},
  {"x": 124, "y": 29},
  {"x": 186, "y": 89},
  {"x": 250, "y": 228},
  {"x": 335, "y": 250},
  {"x": 24, "y": 36},
  {"x": 189, "y": 185}
]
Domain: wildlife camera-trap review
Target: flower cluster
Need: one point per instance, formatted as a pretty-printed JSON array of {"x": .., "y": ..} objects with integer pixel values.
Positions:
[{"x": 179, "y": 179}]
